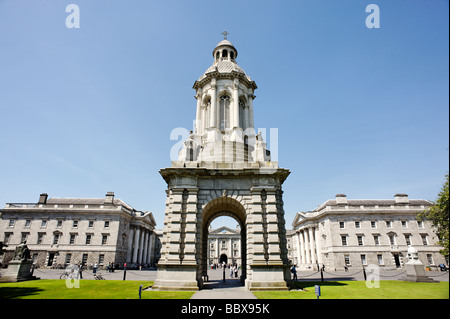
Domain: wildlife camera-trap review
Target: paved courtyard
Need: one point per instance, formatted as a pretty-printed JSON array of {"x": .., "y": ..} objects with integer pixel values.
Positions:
[{"x": 216, "y": 276}]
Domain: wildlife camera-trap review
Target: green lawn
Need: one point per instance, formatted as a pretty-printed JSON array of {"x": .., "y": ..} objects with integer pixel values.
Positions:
[
  {"x": 117, "y": 289},
  {"x": 89, "y": 289},
  {"x": 358, "y": 290}
]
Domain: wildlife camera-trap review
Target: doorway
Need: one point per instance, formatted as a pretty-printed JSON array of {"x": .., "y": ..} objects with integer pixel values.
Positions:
[
  {"x": 51, "y": 257},
  {"x": 397, "y": 260},
  {"x": 223, "y": 259}
]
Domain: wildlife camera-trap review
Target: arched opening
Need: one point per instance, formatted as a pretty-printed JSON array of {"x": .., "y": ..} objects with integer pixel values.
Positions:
[
  {"x": 224, "y": 53},
  {"x": 223, "y": 259},
  {"x": 231, "y": 251}
]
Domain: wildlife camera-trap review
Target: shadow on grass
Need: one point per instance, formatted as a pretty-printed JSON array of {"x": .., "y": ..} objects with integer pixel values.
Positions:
[{"x": 18, "y": 292}]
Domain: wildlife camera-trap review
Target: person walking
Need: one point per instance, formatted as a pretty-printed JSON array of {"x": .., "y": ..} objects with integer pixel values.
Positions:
[{"x": 294, "y": 272}]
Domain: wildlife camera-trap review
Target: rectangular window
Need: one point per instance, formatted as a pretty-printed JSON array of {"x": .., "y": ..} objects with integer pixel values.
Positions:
[
  {"x": 376, "y": 239},
  {"x": 55, "y": 239},
  {"x": 84, "y": 259},
  {"x": 91, "y": 224},
  {"x": 404, "y": 224},
  {"x": 24, "y": 237},
  {"x": 59, "y": 223},
  {"x": 392, "y": 239},
  {"x": 380, "y": 260},
  {"x": 75, "y": 224},
  {"x": 388, "y": 224},
  {"x": 357, "y": 225},
  {"x": 106, "y": 223},
  {"x": 104, "y": 239},
  {"x": 72, "y": 239},
  {"x": 11, "y": 223},
  {"x": 363, "y": 260},
  {"x": 360, "y": 241},
  {"x": 424, "y": 240},
  {"x": 342, "y": 225},
  {"x": 68, "y": 258},
  {"x": 430, "y": 259},
  {"x": 344, "y": 240},
  {"x": 420, "y": 224},
  {"x": 408, "y": 239},
  {"x": 347, "y": 259},
  {"x": 40, "y": 238},
  {"x": 7, "y": 238},
  {"x": 44, "y": 223},
  {"x": 101, "y": 259},
  {"x": 88, "y": 239},
  {"x": 27, "y": 223},
  {"x": 373, "y": 224}
]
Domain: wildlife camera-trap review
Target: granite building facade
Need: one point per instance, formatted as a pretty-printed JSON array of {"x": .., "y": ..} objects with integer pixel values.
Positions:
[
  {"x": 61, "y": 231},
  {"x": 355, "y": 233}
]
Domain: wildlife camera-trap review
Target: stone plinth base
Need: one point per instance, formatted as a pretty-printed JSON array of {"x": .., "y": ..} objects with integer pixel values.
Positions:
[
  {"x": 266, "y": 277},
  {"x": 176, "y": 277},
  {"x": 416, "y": 273},
  {"x": 17, "y": 271}
]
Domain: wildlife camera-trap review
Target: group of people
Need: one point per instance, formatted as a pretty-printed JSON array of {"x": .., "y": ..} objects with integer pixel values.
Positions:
[{"x": 234, "y": 270}]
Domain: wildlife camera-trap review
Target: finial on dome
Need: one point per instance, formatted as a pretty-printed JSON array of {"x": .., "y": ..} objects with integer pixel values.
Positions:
[{"x": 225, "y": 33}]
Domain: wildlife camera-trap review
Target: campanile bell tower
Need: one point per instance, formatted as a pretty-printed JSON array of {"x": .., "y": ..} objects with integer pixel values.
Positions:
[
  {"x": 224, "y": 169},
  {"x": 224, "y": 124}
]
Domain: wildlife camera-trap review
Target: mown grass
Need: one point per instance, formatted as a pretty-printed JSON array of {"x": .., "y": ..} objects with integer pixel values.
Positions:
[
  {"x": 89, "y": 289},
  {"x": 357, "y": 290},
  {"x": 116, "y": 289}
]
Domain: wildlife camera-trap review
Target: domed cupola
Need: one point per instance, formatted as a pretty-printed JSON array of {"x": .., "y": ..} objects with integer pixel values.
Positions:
[
  {"x": 224, "y": 124},
  {"x": 224, "y": 51}
]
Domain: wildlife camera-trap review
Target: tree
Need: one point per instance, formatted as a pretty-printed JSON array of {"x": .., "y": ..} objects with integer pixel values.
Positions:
[{"x": 438, "y": 216}]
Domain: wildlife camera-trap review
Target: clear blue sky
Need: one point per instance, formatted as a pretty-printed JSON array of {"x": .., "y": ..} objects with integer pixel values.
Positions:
[{"x": 359, "y": 111}]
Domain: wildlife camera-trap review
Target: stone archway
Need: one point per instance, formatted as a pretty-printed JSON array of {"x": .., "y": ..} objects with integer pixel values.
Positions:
[
  {"x": 223, "y": 259},
  {"x": 195, "y": 197},
  {"x": 223, "y": 206}
]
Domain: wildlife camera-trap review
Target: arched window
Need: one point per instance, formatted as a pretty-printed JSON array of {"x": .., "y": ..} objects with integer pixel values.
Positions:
[
  {"x": 224, "y": 53},
  {"x": 224, "y": 112},
  {"x": 207, "y": 114},
  {"x": 241, "y": 114},
  {"x": 231, "y": 55},
  {"x": 217, "y": 55}
]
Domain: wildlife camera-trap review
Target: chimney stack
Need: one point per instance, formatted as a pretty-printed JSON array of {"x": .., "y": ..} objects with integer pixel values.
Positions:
[
  {"x": 401, "y": 199},
  {"x": 43, "y": 198},
  {"x": 109, "y": 198},
  {"x": 341, "y": 199}
]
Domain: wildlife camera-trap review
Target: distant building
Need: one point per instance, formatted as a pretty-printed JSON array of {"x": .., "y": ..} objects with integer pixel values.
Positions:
[
  {"x": 362, "y": 232},
  {"x": 224, "y": 245},
  {"x": 61, "y": 231}
]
